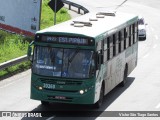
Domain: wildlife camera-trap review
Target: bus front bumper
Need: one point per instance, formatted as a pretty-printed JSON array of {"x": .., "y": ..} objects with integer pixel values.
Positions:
[{"x": 81, "y": 97}]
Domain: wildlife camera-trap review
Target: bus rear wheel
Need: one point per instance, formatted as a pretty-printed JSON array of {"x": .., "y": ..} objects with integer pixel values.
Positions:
[
  {"x": 100, "y": 101},
  {"x": 122, "y": 84},
  {"x": 44, "y": 103}
]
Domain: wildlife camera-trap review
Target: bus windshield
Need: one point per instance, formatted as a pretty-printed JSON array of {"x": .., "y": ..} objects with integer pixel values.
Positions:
[{"x": 66, "y": 63}]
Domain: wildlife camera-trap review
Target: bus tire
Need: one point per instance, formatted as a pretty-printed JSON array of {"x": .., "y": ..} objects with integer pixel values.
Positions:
[
  {"x": 122, "y": 84},
  {"x": 44, "y": 103},
  {"x": 100, "y": 101}
]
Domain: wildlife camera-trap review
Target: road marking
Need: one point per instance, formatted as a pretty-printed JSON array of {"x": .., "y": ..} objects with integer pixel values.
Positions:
[
  {"x": 50, "y": 118},
  {"x": 17, "y": 78},
  {"x": 152, "y": 29},
  {"x": 156, "y": 37},
  {"x": 154, "y": 46},
  {"x": 7, "y": 85},
  {"x": 146, "y": 56},
  {"x": 158, "y": 106}
]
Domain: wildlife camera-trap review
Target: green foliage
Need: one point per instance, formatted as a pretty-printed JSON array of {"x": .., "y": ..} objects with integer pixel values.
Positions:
[
  {"x": 2, "y": 36},
  {"x": 47, "y": 16},
  {"x": 13, "y": 45},
  {"x": 14, "y": 69}
]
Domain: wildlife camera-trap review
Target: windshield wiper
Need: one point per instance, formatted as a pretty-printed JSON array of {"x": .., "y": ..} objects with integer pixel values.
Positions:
[{"x": 73, "y": 56}]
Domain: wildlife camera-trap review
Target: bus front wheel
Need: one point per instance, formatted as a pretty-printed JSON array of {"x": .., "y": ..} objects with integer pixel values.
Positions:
[{"x": 44, "y": 103}]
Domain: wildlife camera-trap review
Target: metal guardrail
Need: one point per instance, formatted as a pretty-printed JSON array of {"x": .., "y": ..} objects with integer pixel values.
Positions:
[
  {"x": 76, "y": 5},
  {"x": 13, "y": 62},
  {"x": 24, "y": 58}
]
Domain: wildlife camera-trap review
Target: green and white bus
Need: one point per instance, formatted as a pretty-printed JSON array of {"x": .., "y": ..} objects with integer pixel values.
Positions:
[{"x": 83, "y": 59}]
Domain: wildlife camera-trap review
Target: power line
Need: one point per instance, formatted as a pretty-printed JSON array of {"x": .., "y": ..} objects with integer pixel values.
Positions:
[{"x": 120, "y": 5}]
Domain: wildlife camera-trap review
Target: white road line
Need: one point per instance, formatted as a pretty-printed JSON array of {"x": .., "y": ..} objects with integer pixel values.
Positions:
[
  {"x": 50, "y": 118},
  {"x": 156, "y": 37},
  {"x": 6, "y": 85},
  {"x": 154, "y": 46},
  {"x": 158, "y": 106},
  {"x": 146, "y": 56},
  {"x": 3, "y": 86},
  {"x": 152, "y": 29}
]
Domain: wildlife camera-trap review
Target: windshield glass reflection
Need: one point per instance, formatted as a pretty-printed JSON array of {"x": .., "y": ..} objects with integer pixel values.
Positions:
[{"x": 67, "y": 63}]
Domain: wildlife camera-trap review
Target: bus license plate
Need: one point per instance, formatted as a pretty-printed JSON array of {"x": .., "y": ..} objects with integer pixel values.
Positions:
[{"x": 60, "y": 97}]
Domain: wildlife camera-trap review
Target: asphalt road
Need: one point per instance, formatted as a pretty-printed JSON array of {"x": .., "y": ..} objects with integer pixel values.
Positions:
[{"x": 142, "y": 91}]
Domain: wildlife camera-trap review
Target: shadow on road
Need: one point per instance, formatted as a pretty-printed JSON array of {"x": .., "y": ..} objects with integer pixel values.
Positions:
[{"x": 88, "y": 112}]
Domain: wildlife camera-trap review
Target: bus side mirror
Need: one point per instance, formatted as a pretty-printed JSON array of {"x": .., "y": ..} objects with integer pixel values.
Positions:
[
  {"x": 29, "y": 53},
  {"x": 99, "y": 59}
]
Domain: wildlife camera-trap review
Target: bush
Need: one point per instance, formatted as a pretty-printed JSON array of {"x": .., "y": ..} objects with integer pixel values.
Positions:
[{"x": 3, "y": 35}]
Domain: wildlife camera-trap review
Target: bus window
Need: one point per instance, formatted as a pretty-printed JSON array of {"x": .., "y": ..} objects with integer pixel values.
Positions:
[
  {"x": 124, "y": 32},
  {"x": 114, "y": 45},
  {"x": 136, "y": 32},
  {"x": 77, "y": 64},
  {"x": 127, "y": 37},
  {"x": 102, "y": 52},
  {"x": 111, "y": 46},
  {"x": 119, "y": 41},
  {"x": 105, "y": 44},
  {"x": 105, "y": 50},
  {"x": 130, "y": 35},
  {"x": 108, "y": 48},
  {"x": 123, "y": 39},
  {"x": 47, "y": 61},
  {"x": 133, "y": 27},
  {"x": 67, "y": 63}
]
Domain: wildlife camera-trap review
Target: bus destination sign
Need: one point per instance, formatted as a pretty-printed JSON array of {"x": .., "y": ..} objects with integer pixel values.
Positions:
[{"x": 65, "y": 40}]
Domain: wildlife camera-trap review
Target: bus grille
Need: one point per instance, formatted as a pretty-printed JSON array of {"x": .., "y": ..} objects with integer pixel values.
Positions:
[
  {"x": 59, "y": 98},
  {"x": 61, "y": 82},
  {"x": 58, "y": 90}
]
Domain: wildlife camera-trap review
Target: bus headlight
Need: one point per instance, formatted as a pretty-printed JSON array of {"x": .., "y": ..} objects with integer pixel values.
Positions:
[
  {"x": 40, "y": 88},
  {"x": 81, "y": 92}
]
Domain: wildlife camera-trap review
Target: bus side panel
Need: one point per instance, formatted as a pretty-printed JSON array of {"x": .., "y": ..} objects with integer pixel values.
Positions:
[
  {"x": 114, "y": 72},
  {"x": 98, "y": 84},
  {"x": 108, "y": 77},
  {"x": 131, "y": 57},
  {"x": 135, "y": 54}
]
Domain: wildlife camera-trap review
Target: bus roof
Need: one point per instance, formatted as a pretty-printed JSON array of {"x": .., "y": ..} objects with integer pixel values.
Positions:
[{"x": 102, "y": 25}]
